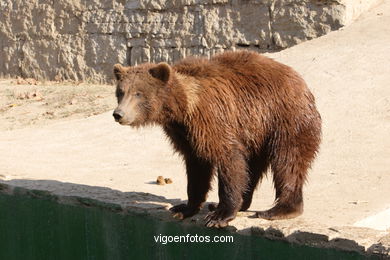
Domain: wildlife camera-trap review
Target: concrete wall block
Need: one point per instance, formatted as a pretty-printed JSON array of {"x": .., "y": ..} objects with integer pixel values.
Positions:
[
  {"x": 82, "y": 40},
  {"x": 296, "y": 22}
]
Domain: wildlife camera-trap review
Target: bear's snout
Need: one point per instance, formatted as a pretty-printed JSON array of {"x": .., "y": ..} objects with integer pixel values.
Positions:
[{"x": 118, "y": 114}]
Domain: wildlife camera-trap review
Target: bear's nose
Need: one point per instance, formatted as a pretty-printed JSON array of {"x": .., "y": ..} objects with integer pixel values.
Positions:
[{"x": 118, "y": 114}]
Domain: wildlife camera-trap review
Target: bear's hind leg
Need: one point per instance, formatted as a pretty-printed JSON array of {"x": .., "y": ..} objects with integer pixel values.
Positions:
[
  {"x": 289, "y": 175},
  {"x": 199, "y": 174},
  {"x": 290, "y": 159}
]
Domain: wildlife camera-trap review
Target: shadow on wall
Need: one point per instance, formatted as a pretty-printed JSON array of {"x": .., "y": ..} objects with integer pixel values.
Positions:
[{"x": 85, "y": 195}]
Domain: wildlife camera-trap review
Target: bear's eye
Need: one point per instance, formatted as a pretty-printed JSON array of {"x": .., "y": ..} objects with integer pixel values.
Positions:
[
  {"x": 137, "y": 94},
  {"x": 119, "y": 93}
]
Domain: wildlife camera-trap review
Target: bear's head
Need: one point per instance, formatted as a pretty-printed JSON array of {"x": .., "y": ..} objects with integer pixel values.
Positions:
[{"x": 141, "y": 91}]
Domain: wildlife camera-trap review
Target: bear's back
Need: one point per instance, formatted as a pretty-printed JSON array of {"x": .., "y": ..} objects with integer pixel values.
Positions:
[
  {"x": 242, "y": 71},
  {"x": 241, "y": 62}
]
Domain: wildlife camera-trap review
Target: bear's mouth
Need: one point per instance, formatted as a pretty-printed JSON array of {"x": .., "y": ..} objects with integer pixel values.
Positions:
[
  {"x": 124, "y": 123},
  {"x": 127, "y": 123}
]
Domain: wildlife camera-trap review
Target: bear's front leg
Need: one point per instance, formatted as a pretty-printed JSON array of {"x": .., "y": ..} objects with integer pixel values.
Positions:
[
  {"x": 232, "y": 181},
  {"x": 199, "y": 173}
]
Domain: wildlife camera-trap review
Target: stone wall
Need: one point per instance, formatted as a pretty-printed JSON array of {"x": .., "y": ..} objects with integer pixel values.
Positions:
[{"x": 82, "y": 39}]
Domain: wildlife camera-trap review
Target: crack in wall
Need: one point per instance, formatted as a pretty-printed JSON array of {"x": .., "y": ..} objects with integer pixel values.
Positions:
[
  {"x": 270, "y": 20},
  {"x": 21, "y": 40}
]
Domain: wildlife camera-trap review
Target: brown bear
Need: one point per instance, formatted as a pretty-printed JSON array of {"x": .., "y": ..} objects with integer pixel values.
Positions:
[{"x": 234, "y": 115}]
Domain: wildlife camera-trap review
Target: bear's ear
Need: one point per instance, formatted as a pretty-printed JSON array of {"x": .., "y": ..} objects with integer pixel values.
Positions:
[
  {"x": 119, "y": 71},
  {"x": 161, "y": 71}
]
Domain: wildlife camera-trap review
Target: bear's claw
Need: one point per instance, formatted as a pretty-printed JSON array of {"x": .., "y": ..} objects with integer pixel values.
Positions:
[{"x": 218, "y": 218}]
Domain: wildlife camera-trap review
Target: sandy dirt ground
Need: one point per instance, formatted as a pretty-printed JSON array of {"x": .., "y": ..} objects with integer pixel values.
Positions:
[
  {"x": 348, "y": 72},
  {"x": 25, "y": 103}
]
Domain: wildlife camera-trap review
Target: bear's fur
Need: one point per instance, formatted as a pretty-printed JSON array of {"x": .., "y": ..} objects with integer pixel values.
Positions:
[{"x": 236, "y": 114}]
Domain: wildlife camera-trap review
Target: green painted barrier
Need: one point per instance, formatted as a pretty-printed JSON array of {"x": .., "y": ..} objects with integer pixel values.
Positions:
[{"x": 36, "y": 228}]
